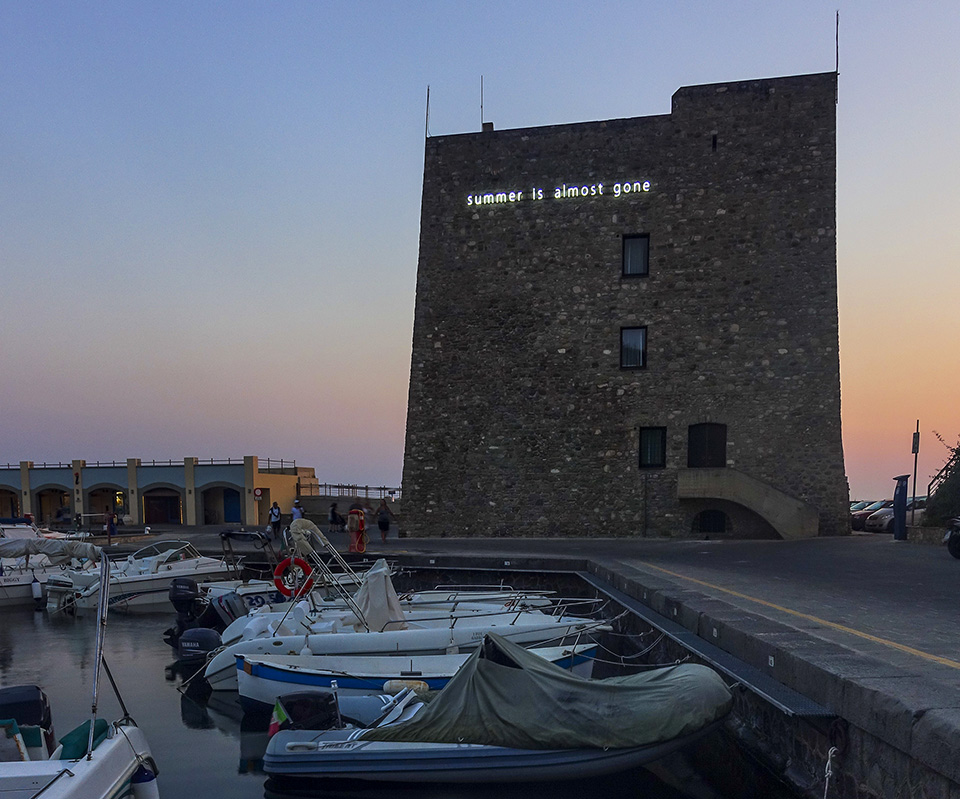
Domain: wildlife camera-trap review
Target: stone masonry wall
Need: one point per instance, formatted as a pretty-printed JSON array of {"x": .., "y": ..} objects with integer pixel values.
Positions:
[{"x": 520, "y": 419}]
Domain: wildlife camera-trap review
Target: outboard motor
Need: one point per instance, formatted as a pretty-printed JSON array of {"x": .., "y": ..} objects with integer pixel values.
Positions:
[
  {"x": 195, "y": 644},
  {"x": 229, "y": 608},
  {"x": 185, "y": 596}
]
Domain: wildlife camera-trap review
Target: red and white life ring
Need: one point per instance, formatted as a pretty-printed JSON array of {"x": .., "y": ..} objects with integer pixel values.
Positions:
[{"x": 281, "y": 571}]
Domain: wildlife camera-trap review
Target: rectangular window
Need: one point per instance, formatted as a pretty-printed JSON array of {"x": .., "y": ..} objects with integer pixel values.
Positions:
[
  {"x": 636, "y": 256},
  {"x": 653, "y": 447},
  {"x": 707, "y": 445},
  {"x": 633, "y": 347}
]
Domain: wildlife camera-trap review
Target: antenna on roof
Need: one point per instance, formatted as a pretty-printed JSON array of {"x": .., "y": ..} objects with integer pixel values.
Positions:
[
  {"x": 838, "y": 58},
  {"x": 481, "y": 102},
  {"x": 426, "y": 125}
]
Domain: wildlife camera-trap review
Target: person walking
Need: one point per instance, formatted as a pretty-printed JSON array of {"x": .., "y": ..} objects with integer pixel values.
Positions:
[
  {"x": 297, "y": 510},
  {"x": 274, "y": 519},
  {"x": 111, "y": 524},
  {"x": 335, "y": 521},
  {"x": 384, "y": 515}
]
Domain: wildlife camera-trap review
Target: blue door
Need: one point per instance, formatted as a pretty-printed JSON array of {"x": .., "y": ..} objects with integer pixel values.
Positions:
[{"x": 231, "y": 505}]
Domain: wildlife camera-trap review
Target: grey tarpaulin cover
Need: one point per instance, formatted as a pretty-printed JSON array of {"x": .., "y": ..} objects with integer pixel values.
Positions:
[
  {"x": 56, "y": 550},
  {"x": 505, "y": 696}
]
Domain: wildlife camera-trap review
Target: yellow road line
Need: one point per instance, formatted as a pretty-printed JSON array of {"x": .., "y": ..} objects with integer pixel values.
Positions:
[{"x": 893, "y": 644}]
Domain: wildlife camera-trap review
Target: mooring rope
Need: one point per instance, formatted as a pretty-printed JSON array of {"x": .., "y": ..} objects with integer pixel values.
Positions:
[{"x": 828, "y": 771}]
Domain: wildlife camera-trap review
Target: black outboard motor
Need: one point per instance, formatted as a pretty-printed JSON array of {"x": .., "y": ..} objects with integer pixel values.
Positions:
[
  {"x": 185, "y": 596},
  {"x": 195, "y": 644}
]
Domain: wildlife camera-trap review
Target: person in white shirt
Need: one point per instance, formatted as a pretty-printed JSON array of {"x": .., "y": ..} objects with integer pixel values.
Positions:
[
  {"x": 297, "y": 510},
  {"x": 274, "y": 519}
]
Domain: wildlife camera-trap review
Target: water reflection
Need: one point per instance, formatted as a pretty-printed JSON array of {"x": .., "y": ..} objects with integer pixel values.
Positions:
[{"x": 202, "y": 741}]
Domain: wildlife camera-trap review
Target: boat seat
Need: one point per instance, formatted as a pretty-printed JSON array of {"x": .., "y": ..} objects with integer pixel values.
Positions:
[
  {"x": 12, "y": 746},
  {"x": 35, "y": 741},
  {"x": 74, "y": 743}
]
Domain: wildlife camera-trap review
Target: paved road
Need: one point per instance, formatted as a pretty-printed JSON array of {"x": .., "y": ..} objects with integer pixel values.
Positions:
[{"x": 895, "y": 601}]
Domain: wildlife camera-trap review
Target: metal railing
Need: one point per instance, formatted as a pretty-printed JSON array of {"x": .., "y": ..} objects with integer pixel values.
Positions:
[
  {"x": 349, "y": 490},
  {"x": 942, "y": 475},
  {"x": 274, "y": 465}
]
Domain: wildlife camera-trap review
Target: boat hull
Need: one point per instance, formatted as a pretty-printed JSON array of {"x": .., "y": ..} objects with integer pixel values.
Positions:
[
  {"x": 261, "y": 680},
  {"x": 138, "y": 593},
  {"x": 17, "y": 588},
  {"x": 299, "y": 754},
  {"x": 464, "y": 636},
  {"x": 107, "y": 774}
]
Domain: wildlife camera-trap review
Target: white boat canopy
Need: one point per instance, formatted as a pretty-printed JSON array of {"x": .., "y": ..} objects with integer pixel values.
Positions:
[{"x": 57, "y": 551}]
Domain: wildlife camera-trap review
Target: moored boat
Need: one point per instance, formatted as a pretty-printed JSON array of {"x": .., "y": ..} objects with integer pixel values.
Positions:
[
  {"x": 260, "y": 680},
  {"x": 141, "y": 581},
  {"x": 98, "y": 759},
  {"x": 27, "y": 563},
  {"x": 510, "y": 716},
  {"x": 375, "y": 623}
]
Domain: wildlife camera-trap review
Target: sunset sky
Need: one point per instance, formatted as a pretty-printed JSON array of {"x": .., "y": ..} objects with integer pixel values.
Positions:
[{"x": 209, "y": 212}]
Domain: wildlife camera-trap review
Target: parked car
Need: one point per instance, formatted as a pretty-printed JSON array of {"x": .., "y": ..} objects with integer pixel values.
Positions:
[
  {"x": 861, "y": 504},
  {"x": 858, "y": 517},
  {"x": 881, "y": 521}
]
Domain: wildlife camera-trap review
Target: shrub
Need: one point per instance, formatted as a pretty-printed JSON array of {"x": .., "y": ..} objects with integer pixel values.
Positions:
[{"x": 944, "y": 504}]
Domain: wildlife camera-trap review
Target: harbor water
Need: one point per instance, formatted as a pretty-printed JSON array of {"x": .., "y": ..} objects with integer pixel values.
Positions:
[{"x": 204, "y": 745}]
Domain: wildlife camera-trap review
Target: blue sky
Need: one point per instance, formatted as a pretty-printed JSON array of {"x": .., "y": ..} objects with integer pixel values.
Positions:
[{"x": 209, "y": 212}]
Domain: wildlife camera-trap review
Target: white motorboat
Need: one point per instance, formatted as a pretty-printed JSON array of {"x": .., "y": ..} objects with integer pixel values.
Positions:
[
  {"x": 375, "y": 623},
  {"x": 141, "y": 581},
  {"x": 435, "y": 635},
  {"x": 261, "y": 679},
  {"x": 96, "y": 760},
  {"x": 26, "y": 563},
  {"x": 21, "y": 527},
  {"x": 509, "y": 716}
]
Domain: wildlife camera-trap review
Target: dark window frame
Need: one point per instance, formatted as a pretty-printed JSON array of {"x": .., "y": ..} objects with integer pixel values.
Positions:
[
  {"x": 707, "y": 445},
  {"x": 623, "y": 255},
  {"x": 643, "y": 350},
  {"x": 662, "y": 463}
]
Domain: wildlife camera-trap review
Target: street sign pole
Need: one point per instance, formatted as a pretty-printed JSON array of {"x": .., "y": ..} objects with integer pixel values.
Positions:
[{"x": 916, "y": 451}]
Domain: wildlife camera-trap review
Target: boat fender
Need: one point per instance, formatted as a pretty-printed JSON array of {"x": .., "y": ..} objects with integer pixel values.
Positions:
[
  {"x": 35, "y": 589},
  {"x": 280, "y": 572},
  {"x": 394, "y": 687},
  {"x": 144, "y": 783}
]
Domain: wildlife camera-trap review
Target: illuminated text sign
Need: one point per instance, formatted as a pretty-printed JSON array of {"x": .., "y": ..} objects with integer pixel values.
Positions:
[{"x": 561, "y": 192}]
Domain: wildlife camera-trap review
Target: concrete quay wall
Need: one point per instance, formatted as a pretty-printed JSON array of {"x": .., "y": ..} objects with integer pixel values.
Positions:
[{"x": 894, "y": 734}]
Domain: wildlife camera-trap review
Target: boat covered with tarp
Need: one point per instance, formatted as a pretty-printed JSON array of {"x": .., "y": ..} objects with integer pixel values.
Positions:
[
  {"x": 26, "y": 563},
  {"x": 510, "y": 715}
]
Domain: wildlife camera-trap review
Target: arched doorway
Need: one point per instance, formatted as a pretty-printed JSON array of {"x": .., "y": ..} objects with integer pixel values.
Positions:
[
  {"x": 106, "y": 498},
  {"x": 162, "y": 506},
  {"x": 711, "y": 521},
  {"x": 51, "y": 505},
  {"x": 9, "y": 504},
  {"x": 221, "y": 505}
]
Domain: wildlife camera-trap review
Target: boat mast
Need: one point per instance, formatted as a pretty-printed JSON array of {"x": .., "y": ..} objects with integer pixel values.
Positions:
[{"x": 102, "y": 603}]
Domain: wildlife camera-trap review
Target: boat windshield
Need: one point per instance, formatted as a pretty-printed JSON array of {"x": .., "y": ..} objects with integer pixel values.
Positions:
[{"x": 168, "y": 550}]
